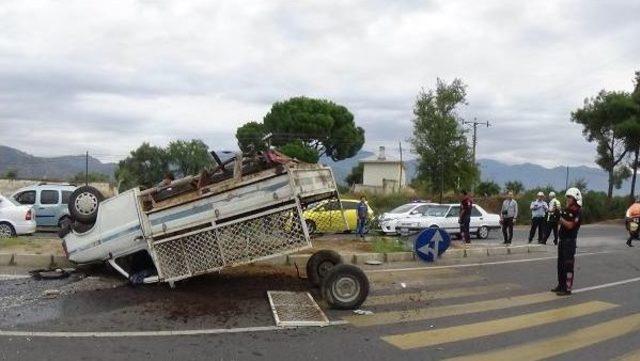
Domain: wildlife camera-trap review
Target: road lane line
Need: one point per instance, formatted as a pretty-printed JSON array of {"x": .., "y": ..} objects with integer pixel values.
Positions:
[
  {"x": 9, "y": 277},
  {"x": 483, "y": 263},
  {"x": 215, "y": 331},
  {"x": 421, "y": 314},
  {"x": 558, "y": 345},
  {"x": 413, "y": 340},
  {"x": 430, "y": 295},
  {"x": 607, "y": 285}
]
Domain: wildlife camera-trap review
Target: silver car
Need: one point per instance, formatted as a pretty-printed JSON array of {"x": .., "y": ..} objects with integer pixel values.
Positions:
[{"x": 48, "y": 200}]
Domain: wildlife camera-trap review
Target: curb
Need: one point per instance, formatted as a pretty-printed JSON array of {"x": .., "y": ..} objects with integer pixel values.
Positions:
[{"x": 300, "y": 260}]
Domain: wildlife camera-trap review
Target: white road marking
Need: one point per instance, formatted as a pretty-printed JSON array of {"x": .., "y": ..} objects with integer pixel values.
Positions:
[
  {"x": 426, "y": 268},
  {"x": 13, "y": 277},
  {"x": 113, "y": 334},
  {"x": 606, "y": 285}
]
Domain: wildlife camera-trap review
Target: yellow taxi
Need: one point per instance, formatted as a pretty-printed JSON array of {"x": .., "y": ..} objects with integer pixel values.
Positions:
[{"x": 326, "y": 217}]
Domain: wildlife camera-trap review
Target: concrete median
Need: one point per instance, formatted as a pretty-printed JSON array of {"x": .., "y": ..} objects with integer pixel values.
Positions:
[{"x": 6, "y": 259}]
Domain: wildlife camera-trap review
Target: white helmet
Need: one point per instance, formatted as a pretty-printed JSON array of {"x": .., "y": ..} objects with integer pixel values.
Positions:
[
  {"x": 540, "y": 194},
  {"x": 552, "y": 194},
  {"x": 575, "y": 194}
]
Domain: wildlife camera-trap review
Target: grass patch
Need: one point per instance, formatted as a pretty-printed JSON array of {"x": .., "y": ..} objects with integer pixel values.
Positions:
[
  {"x": 31, "y": 245},
  {"x": 14, "y": 242},
  {"x": 387, "y": 245}
]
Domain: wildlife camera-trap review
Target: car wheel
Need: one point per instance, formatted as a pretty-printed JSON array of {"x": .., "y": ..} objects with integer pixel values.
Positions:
[
  {"x": 83, "y": 204},
  {"x": 6, "y": 230},
  {"x": 346, "y": 287},
  {"x": 319, "y": 265},
  {"x": 483, "y": 232},
  {"x": 311, "y": 226}
]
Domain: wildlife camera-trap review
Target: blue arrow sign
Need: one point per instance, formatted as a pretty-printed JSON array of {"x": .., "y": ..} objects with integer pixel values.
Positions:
[{"x": 431, "y": 243}]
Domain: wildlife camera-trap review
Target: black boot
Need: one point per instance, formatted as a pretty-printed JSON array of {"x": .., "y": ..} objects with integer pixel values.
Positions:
[
  {"x": 629, "y": 243},
  {"x": 557, "y": 289}
]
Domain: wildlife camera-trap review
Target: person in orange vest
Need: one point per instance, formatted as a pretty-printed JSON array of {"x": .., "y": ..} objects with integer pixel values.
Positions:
[{"x": 632, "y": 222}]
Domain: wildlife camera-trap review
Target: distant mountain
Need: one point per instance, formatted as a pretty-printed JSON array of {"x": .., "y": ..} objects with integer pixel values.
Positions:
[
  {"x": 49, "y": 168},
  {"x": 531, "y": 175}
]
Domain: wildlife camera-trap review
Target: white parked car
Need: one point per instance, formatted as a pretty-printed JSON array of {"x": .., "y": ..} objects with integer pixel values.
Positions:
[
  {"x": 15, "y": 219},
  {"x": 388, "y": 220},
  {"x": 445, "y": 216}
]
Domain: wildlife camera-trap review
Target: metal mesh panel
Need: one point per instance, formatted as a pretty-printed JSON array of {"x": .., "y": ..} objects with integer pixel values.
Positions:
[
  {"x": 171, "y": 260},
  {"x": 296, "y": 309},
  {"x": 233, "y": 244}
]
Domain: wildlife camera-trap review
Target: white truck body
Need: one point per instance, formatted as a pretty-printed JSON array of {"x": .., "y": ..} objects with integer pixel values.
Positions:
[{"x": 236, "y": 222}]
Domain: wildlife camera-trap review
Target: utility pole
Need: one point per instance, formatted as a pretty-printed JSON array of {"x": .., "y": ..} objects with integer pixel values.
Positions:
[
  {"x": 475, "y": 124},
  {"x": 566, "y": 182},
  {"x": 86, "y": 169},
  {"x": 401, "y": 166}
]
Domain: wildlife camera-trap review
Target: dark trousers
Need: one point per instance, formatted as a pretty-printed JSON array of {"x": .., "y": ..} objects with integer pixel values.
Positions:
[
  {"x": 552, "y": 226},
  {"x": 566, "y": 261},
  {"x": 464, "y": 229},
  {"x": 507, "y": 229},
  {"x": 537, "y": 223}
]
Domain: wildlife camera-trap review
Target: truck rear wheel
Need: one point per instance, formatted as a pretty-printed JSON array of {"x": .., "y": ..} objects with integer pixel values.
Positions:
[
  {"x": 345, "y": 287},
  {"x": 319, "y": 265},
  {"x": 83, "y": 204}
]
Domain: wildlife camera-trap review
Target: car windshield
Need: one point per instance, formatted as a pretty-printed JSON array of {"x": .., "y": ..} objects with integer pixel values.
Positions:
[
  {"x": 403, "y": 208},
  {"x": 436, "y": 211}
]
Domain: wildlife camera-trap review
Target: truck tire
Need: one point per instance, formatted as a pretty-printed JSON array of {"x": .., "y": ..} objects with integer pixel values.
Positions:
[
  {"x": 83, "y": 204},
  {"x": 345, "y": 287},
  {"x": 319, "y": 265}
]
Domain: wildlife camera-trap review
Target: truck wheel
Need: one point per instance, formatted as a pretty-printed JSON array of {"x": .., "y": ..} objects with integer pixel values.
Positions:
[
  {"x": 83, "y": 204},
  {"x": 345, "y": 287},
  {"x": 483, "y": 232},
  {"x": 319, "y": 265}
]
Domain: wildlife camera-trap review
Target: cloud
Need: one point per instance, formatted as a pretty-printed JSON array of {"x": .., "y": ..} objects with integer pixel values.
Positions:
[{"x": 106, "y": 76}]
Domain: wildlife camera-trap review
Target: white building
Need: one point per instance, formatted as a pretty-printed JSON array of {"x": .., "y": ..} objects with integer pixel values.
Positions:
[{"x": 382, "y": 174}]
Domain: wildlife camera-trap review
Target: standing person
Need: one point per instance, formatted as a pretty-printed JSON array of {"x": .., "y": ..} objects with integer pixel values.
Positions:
[
  {"x": 569, "y": 226},
  {"x": 363, "y": 213},
  {"x": 553, "y": 217},
  {"x": 538, "y": 212},
  {"x": 464, "y": 219},
  {"x": 508, "y": 216},
  {"x": 631, "y": 222}
]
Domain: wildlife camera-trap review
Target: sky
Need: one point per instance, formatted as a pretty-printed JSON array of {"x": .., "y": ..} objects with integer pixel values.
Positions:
[{"x": 105, "y": 76}]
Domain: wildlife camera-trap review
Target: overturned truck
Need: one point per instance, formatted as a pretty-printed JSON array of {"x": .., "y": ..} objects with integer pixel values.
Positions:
[{"x": 239, "y": 211}]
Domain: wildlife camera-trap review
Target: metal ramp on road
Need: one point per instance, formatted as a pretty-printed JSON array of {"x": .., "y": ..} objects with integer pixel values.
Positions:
[{"x": 296, "y": 309}]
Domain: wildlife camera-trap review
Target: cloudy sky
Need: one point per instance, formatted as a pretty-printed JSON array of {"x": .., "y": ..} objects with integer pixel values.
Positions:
[{"x": 105, "y": 76}]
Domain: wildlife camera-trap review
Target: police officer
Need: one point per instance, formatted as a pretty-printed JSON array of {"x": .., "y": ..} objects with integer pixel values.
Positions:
[
  {"x": 631, "y": 221},
  {"x": 538, "y": 212},
  {"x": 569, "y": 227},
  {"x": 553, "y": 217}
]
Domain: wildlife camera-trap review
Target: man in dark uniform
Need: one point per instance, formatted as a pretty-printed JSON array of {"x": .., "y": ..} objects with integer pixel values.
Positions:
[
  {"x": 569, "y": 227},
  {"x": 465, "y": 216}
]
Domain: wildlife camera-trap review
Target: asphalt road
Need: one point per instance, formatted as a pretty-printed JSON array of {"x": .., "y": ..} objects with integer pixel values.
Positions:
[{"x": 488, "y": 308}]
